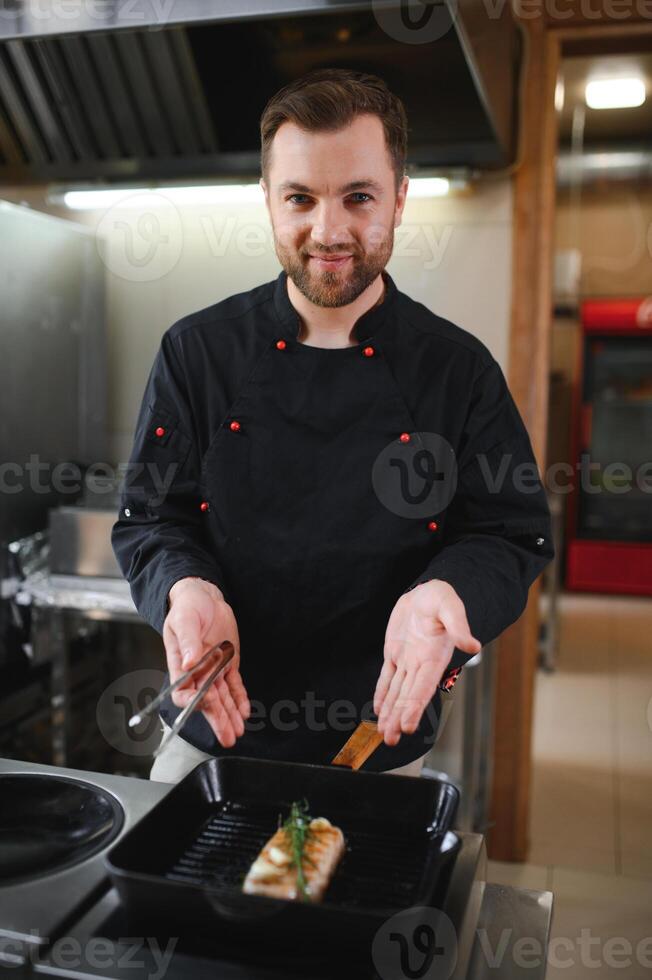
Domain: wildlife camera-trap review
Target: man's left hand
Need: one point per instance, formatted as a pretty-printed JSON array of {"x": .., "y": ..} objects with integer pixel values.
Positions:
[{"x": 425, "y": 626}]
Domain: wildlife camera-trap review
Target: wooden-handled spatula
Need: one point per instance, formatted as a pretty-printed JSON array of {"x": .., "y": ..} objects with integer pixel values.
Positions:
[{"x": 365, "y": 740}]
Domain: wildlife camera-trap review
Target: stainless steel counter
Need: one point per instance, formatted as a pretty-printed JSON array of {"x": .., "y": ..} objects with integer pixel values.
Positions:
[
  {"x": 56, "y": 601},
  {"x": 102, "y": 597}
]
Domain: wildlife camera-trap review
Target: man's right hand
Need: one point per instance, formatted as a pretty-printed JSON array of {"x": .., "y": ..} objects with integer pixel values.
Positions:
[{"x": 198, "y": 618}]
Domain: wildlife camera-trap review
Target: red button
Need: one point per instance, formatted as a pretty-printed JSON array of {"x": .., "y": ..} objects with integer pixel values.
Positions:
[
  {"x": 368, "y": 351},
  {"x": 404, "y": 437},
  {"x": 433, "y": 525},
  {"x": 235, "y": 426},
  {"x": 203, "y": 505},
  {"x": 160, "y": 431},
  {"x": 281, "y": 345}
]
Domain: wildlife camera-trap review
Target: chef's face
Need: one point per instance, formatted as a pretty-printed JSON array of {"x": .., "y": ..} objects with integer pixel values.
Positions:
[{"x": 333, "y": 194}]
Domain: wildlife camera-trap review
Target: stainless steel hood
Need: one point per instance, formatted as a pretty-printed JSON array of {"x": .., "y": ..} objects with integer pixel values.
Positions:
[{"x": 130, "y": 90}]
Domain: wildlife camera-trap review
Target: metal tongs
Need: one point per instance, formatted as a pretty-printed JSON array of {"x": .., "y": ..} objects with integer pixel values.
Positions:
[{"x": 224, "y": 652}]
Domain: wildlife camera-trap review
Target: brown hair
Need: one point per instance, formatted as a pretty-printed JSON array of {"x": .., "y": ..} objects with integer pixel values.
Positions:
[{"x": 328, "y": 99}]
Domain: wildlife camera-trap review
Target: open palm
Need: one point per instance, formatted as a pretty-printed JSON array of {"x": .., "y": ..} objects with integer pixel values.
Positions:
[{"x": 425, "y": 627}]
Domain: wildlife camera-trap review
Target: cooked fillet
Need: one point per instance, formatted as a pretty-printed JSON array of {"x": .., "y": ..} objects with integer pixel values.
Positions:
[{"x": 273, "y": 872}]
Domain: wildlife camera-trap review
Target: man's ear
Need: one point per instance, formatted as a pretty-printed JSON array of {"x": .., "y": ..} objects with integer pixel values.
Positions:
[
  {"x": 265, "y": 192},
  {"x": 401, "y": 198}
]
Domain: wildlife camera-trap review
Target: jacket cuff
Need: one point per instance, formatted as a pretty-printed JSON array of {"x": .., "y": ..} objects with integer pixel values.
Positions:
[{"x": 155, "y": 609}]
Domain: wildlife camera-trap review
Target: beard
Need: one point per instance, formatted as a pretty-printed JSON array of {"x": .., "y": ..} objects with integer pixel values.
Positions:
[{"x": 341, "y": 286}]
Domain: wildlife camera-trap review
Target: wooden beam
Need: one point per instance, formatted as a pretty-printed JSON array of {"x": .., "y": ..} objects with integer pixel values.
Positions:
[
  {"x": 532, "y": 254},
  {"x": 596, "y": 14},
  {"x": 607, "y": 38}
]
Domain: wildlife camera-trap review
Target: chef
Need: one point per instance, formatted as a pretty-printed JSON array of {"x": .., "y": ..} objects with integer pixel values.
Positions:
[{"x": 325, "y": 472}]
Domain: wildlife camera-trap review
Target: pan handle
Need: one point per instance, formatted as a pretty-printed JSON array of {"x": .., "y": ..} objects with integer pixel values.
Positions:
[{"x": 365, "y": 740}]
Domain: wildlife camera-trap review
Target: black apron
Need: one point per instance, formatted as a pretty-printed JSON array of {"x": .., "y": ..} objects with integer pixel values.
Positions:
[{"x": 313, "y": 560}]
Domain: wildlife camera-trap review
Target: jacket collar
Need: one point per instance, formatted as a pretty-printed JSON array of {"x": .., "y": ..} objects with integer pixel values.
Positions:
[{"x": 366, "y": 327}]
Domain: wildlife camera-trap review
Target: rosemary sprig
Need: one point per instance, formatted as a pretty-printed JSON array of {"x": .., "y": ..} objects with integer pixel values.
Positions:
[{"x": 297, "y": 829}]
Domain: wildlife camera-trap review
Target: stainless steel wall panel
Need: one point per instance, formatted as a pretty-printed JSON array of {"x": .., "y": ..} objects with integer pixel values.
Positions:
[
  {"x": 80, "y": 542},
  {"x": 52, "y": 411}
]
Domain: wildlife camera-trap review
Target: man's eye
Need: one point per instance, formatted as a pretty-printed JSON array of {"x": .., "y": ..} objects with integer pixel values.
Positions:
[
  {"x": 291, "y": 198},
  {"x": 362, "y": 194}
]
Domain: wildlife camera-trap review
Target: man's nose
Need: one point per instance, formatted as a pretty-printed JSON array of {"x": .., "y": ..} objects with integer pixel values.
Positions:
[{"x": 330, "y": 226}]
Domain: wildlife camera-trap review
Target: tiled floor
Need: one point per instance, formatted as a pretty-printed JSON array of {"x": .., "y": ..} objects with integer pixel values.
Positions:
[{"x": 591, "y": 814}]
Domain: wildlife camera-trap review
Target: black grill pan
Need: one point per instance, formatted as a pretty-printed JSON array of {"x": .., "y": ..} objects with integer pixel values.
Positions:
[{"x": 179, "y": 871}]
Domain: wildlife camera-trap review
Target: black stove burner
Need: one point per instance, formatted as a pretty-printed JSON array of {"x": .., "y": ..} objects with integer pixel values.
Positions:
[{"x": 48, "y": 823}]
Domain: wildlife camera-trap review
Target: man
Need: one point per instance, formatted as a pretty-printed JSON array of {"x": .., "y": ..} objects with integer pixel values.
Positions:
[{"x": 354, "y": 500}]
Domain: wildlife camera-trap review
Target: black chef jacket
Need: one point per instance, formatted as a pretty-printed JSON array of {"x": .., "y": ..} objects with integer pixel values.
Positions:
[{"x": 298, "y": 479}]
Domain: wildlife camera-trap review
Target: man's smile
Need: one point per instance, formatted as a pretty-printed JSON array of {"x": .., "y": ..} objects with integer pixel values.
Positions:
[{"x": 330, "y": 262}]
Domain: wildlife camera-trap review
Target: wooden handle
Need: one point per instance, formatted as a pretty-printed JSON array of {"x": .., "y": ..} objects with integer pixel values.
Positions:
[{"x": 365, "y": 740}]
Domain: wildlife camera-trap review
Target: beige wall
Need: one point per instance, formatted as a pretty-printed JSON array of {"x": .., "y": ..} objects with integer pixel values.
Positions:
[
  {"x": 452, "y": 254},
  {"x": 612, "y": 228}
]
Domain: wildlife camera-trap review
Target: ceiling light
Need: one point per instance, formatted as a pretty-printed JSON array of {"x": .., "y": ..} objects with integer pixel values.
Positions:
[
  {"x": 428, "y": 187},
  {"x": 82, "y": 200},
  {"x": 615, "y": 93}
]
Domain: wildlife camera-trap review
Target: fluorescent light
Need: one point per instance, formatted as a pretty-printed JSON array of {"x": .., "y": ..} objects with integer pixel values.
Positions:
[
  {"x": 428, "y": 187},
  {"x": 127, "y": 197},
  {"x": 615, "y": 93}
]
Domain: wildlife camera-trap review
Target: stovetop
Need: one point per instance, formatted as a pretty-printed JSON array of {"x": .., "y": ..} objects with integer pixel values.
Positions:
[{"x": 71, "y": 923}]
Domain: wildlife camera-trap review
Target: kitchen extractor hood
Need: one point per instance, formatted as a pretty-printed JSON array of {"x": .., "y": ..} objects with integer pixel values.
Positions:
[{"x": 121, "y": 97}]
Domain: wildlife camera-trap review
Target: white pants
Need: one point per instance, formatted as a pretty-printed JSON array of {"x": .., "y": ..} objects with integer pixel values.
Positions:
[{"x": 180, "y": 757}]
